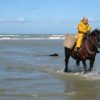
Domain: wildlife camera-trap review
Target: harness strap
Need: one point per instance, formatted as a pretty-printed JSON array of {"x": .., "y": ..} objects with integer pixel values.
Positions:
[
  {"x": 95, "y": 44},
  {"x": 88, "y": 50}
]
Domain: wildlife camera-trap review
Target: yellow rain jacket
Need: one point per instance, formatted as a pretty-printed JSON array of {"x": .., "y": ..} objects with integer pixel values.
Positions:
[{"x": 82, "y": 29}]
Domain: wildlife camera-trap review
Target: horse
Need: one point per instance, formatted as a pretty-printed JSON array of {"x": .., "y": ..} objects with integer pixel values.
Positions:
[{"x": 89, "y": 48}]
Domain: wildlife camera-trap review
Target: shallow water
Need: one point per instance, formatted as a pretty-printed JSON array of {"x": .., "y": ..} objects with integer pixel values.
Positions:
[{"x": 27, "y": 72}]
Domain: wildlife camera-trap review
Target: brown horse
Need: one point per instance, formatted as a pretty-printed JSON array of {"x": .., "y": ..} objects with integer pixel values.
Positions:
[{"x": 89, "y": 48}]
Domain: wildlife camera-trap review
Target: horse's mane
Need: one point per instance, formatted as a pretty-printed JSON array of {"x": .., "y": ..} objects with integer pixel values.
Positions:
[{"x": 95, "y": 31}]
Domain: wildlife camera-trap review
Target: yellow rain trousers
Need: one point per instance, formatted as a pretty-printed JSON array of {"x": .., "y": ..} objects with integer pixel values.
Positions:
[{"x": 82, "y": 29}]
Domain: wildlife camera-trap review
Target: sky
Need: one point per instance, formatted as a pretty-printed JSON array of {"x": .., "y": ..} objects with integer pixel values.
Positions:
[{"x": 46, "y": 16}]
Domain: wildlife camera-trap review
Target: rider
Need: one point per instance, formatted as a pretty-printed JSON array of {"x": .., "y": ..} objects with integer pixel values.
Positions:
[{"x": 83, "y": 29}]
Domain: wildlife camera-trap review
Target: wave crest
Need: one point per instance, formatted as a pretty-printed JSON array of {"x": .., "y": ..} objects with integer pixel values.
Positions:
[{"x": 31, "y": 37}]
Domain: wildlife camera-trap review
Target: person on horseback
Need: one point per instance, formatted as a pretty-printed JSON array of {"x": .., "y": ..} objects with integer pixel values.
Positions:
[{"x": 83, "y": 29}]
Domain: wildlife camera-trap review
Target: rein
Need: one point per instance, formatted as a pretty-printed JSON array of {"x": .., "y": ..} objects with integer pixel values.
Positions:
[{"x": 89, "y": 51}]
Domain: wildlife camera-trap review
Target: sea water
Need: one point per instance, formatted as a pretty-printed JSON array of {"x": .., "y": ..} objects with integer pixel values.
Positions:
[{"x": 27, "y": 72}]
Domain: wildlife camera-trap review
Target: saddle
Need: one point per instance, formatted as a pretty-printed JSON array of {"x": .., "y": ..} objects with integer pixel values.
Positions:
[{"x": 84, "y": 39}]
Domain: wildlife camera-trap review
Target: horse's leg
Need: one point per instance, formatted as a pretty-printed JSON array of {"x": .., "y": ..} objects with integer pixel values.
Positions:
[
  {"x": 67, "y": 56},
  {"x": 77, "y": 62},
  {"x": 66, "y": 64},
  {"x": 91, "y": 63},
  {"x": 84, "y": 65}
]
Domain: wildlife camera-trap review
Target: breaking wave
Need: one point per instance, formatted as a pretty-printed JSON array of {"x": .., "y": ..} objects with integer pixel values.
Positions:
[{"x": 31, "y": 37}]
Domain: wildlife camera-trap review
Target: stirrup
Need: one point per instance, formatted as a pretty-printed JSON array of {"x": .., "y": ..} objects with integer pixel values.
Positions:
[{"x": 75, "y": 49}]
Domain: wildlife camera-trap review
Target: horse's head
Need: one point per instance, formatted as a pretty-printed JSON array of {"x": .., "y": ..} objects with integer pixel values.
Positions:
[{"x": 96, "y": 34}]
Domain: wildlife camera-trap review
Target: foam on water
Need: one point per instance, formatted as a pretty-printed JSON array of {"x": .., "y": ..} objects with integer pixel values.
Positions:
[
  {"x": 93, "y": 75},
  {"x": 71, "y": 93},
  {"x": 31, "y": 37}
]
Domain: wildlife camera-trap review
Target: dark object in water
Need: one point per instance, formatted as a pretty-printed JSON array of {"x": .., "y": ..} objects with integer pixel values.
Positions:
[
  {"x": 55, "y": 54},
  {"x": 90, "y": 47}
]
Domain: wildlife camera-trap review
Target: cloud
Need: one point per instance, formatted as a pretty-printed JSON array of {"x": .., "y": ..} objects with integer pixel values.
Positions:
[
  {"x": 2, "y": 20},
  {"x": 91, "y": 19},
  {"x": 23, "y": 20},
  {"x": 94, "y": 21},
  {"x": 18, "y": 20}
]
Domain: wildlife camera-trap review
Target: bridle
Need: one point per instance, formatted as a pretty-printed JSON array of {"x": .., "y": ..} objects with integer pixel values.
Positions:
[{"x": 94, "y": 43}]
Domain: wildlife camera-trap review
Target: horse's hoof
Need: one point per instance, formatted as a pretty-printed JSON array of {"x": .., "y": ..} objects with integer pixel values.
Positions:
[
  {"x": 65, "y": 71},
  {"x": 89, "y": 70},
  {"x": 85, "y": 71}
]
